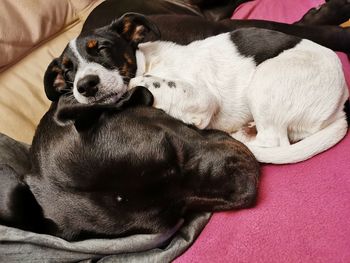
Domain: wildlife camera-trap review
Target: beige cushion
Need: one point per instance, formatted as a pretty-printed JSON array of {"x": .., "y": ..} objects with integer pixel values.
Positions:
[
  {"x": 22, "y": 100},
  {"x": 24, "y": 24},
  {"x": 346, "y": 24}
]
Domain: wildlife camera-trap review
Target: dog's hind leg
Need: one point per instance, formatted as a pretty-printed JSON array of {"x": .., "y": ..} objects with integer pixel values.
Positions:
[
  {"x": 333, "y": 12},
  {"x": 270, "y": 136},
  {"x": 333, "y": 37}
]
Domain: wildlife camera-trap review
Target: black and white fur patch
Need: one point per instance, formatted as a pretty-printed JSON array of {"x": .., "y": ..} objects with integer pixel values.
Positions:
[{"x": 262, "y": 44}]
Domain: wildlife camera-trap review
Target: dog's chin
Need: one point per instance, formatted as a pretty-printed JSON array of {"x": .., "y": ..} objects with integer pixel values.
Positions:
[
  {"x": 107, "y": 99},
  {"x": 102, "y": 99}
]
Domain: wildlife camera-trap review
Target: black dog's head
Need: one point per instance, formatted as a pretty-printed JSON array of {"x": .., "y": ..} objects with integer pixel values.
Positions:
[
  {"x": 114, "y": 170},
  {"x": 97, "y": 65}
]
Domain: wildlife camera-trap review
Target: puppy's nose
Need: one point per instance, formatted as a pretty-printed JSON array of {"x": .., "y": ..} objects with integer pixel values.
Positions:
[{"x": 87, "y": 86}]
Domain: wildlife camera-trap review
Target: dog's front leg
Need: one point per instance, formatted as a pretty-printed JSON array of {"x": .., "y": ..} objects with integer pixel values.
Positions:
[{"x": 180, "y": 99}]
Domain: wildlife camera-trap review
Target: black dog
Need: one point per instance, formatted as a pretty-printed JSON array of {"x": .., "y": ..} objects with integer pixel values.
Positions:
[{"x": 116, "y": 170}]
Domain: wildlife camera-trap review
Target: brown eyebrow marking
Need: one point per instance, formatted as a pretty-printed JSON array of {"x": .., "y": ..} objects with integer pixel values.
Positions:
[
  {"x": 91, "y": 43},
  {"x": 128, "y": 59},
  {"x": 125, "y": 70},
  {"x": 127, "y": 25}
]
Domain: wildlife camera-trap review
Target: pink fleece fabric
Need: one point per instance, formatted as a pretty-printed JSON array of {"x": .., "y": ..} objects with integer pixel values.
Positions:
[{"x": 303, "y": 210}]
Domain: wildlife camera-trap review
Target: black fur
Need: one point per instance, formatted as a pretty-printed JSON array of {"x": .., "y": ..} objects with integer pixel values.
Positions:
[
  {"x": 262, "y": 44},
  {"x": 18, "y": 207},
  {"x": 347, "y": 111},
  {"x": 116, "y": 170}
]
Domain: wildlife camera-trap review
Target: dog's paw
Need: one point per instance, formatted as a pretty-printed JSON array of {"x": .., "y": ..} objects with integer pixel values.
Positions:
[
  {"x": 333, "y": 12},
  {"x": 198, "y": 122},
  {"x": 137, "y": 81}
]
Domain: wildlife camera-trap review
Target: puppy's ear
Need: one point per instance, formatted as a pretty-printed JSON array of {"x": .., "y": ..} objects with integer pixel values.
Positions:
[
  {"x": 18, "y": 206},
  {"x": 134, "y": 27},
  {"x": 54, "y": 82},
  {"x": 85, "y": 115}
]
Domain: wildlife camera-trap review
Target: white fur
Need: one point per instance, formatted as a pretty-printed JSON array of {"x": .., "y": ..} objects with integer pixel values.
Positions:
[
  {"x": 197, "y": 108},
  {"x": 295, "y": 99},
  {"x": 111, "y": 82}
]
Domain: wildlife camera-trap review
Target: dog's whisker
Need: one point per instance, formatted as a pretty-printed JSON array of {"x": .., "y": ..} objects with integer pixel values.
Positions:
[
  {"x": 69, "y": 98},
  {"x": 67, "y": 89}
]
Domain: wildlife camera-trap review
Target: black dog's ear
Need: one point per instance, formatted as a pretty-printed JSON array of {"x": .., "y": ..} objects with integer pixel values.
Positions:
[
  {"x": 133, "y": 27},
  {"x": 224, "y": 176},
  {"x": 18, "y": 206},
  {"x": 138, "y": 96},
  {"x": 54, "y": 82},
  {"x": 85, "y": 115}
]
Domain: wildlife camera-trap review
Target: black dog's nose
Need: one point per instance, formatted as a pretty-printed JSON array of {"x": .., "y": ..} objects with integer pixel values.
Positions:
[{"x": 87, "y": 86}]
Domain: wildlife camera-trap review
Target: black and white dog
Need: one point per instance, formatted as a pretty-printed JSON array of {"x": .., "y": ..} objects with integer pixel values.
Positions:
[{"x": 293, "y": 89}]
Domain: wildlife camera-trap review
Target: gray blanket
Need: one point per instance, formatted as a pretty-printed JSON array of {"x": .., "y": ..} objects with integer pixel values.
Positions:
[{"x": 22, "y": 246}]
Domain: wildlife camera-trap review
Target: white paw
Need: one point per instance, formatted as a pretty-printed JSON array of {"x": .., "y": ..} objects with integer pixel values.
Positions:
[
  {"x": 197, "y": 121},
  {"x": 138, "y": 81}
]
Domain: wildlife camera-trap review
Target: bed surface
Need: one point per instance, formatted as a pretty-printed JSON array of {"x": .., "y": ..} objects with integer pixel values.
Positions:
[{"x": 303, "y": 210}]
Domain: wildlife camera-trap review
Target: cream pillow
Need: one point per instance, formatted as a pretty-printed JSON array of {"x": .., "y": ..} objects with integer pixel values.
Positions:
[{"x": 36, "y": 32}]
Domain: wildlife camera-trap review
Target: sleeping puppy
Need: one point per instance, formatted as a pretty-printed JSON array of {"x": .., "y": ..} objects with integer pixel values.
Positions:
[
  {"x": 110, "y": 170},
  {"x": 293, "y": 89}
]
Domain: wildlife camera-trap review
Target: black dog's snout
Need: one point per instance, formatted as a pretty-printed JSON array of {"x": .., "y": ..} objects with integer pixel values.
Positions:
[{"x": 87, "y": 86}]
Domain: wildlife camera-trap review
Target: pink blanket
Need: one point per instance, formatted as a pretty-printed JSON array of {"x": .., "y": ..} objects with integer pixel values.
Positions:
[{"x": 303, "y": 210}]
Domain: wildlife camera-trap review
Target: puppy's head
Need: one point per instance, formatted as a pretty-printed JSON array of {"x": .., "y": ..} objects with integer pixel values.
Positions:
[{"x": 97, "y": 66}]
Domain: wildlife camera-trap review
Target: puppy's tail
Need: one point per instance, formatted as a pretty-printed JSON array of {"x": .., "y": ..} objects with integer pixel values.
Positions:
[{"x": 304, "y": 149}]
